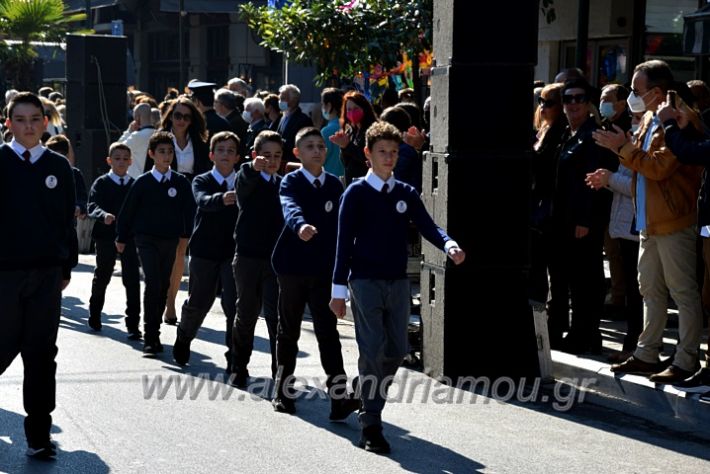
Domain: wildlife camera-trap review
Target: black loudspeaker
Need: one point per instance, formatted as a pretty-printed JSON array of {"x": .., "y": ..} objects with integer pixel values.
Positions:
[
  {"x": 476, "y": 185},
  {"x": 485, "y": 32},
  {"x": 91, "y": 150},
  {"x": 96, "y": 97},
  {"x": 96, "y": 82},
  {"x": 479, "y": 107},
  {"x": 94, "y": 57},
  {"x": 472, "y": 312},
  {"x": 84, "y": 107}
]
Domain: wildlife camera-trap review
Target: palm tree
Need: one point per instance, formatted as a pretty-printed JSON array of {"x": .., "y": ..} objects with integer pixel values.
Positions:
[{"x": 24, "y": 21}]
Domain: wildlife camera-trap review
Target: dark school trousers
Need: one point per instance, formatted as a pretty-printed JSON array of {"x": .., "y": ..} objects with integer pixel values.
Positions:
[
  {"x": 295, "y": 291},
  {"x": 381, "y": 311},
  {"x": 206, "y": 277},
  {"x": 256, "y": 289},
  {"x": 105, "y": 263},
  {"x": 29, "y": 320},
  {"x": 157, "y": 256}
]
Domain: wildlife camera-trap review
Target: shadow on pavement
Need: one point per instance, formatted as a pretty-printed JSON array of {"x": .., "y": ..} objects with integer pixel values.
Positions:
[
  {"x": 13, "y": 446},
  {"x": 413, "y": 454}
]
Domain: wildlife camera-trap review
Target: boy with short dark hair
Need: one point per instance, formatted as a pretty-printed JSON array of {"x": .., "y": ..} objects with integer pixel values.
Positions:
[
  {"x": 258, "y": 226},
  {"x": 212, "y": 247},
  {"x": 158, "y": 210},
  {"x": 106, "y": 198},
  {"x": 61, "y": 144},
  {"x": 36, "y": 257},
  {"x": 372, "y": 257},
  {"x": 303, "y": 260}
]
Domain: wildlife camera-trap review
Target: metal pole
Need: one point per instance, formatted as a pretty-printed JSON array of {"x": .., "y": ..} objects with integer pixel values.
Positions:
[
  {"x": 181, "y": 53},
  {"x": 580, "y": 56}
]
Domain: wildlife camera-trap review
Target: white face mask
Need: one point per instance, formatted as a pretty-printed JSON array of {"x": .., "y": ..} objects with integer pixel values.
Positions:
[
  {"x": 246, "y": 115},
  {"x": 635, "y": 128},
  {"x": 636, "y": 103},
  {"x": 606, "y": 109}
]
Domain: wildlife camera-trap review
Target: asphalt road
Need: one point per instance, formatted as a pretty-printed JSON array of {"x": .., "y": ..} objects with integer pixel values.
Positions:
[{"x": 118, "y": 411}]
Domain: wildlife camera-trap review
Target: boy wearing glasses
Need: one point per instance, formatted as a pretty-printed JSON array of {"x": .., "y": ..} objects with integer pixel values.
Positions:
[
  {"x": 258, "y": 227},
  {"x": 158, "y": 210},
  {"x": 105, "y": 201}
]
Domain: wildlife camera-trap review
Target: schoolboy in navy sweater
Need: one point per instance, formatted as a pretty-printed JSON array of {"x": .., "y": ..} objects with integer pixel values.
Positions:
[
  {"x": 37, "y": 203},
  {"x": 212, "y": 247},
  {"x": 158, "y": 210},
  {"x": 258, "y": 226},
  {"x": 303, "y": 260},
  {"x": 372, "y": 256},
  {"x": 106, "y": 198}
]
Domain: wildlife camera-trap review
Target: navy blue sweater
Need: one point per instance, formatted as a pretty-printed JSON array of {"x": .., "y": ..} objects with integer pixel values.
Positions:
[
  {"x": 303, "y": 203},
  {"x": 260, "y": 217},
  {"x": 37, "y": 207},
  {"x": 372, "y": 232},
  {"x": 106, "y": 197},
  {"x": 212, "y": 237},
  {"x": 150, "y": 209}
]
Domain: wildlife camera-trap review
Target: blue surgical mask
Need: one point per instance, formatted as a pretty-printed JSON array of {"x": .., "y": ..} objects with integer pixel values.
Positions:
[
  {"x": 606, "y": 109},
  {"x": 283, "y": 106},
  {"x": 635, "y": 127},
  {"x": 326, "y": 114}
]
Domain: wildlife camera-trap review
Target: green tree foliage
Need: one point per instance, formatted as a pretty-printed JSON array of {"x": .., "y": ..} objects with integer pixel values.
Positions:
[
  {"x": 26, "y": 21},
  {"x": 344, "y": 37}
]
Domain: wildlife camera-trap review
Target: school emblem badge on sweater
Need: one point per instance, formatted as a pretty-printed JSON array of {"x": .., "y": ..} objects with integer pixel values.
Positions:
[
  {"x": 51, "y": 181},
  {"x": 328, "y": 206},
  {"x": 172, "y": 192},
  {"x": 401, "y": 207}
]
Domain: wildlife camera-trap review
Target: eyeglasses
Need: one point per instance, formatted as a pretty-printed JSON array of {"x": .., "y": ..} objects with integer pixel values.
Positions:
[
  {"x": 575, "y": 99},
  {"x": 546, "y": 103},
  {"x": 179, "y": 116}
]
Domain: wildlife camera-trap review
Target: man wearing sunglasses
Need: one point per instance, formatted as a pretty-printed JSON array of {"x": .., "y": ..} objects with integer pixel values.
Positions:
[{"x": 665, "y": 193}]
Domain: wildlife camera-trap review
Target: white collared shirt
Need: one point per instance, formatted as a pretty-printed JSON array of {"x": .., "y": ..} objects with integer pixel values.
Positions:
[
  {"x": 376, "y": 182},
  {"x": 117, "y": 179},
  {"x": 185, "y": 157},
  {"x": 35, "y": 152},
  {"x": 266, "y": 176},
  {"x": 312, "y": 179},
  {"x": 159, "y": 176},
  {"x": 229, "y": 179}
]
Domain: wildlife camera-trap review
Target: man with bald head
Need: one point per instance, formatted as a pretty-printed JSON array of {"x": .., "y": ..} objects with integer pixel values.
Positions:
[{"x": 137, "y": 136}]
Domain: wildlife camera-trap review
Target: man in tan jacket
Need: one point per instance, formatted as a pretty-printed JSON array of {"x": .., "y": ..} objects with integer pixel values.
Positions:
[{"x": 665, "y": 195}]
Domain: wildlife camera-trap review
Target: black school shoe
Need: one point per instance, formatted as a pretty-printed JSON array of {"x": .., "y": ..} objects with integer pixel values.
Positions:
[
  {"x": 373, "y": 441},
  {"x": 95, "y": 323},
  {"x": 239, "y": 378},
  {"x": 181, "y": 351},
  {"x": 44, "y": 451},
  {"x": 134, "y": 334},
  {"x": 284, "y": 405},
  {"x": 152, "y": 347},
  {"x": 341, "y": 408}
]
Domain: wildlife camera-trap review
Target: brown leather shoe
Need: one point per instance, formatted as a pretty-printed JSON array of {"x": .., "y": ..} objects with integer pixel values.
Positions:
[
  {"x": 672, "y": 374},
  {"x": 632, "y": 365}
]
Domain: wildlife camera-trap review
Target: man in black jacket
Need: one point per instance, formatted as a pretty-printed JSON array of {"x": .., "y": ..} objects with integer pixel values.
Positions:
[{"x": 203, "y": 97}]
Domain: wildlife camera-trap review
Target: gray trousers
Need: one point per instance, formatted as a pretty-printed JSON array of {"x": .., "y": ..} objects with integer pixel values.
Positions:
[
  {"x": 381, "y": 309},
  {"x": 206, "y": 278}
]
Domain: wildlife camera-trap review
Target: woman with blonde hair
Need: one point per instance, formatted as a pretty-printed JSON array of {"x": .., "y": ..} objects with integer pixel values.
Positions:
[
  {"x": 54, "y": 120},
  {"x": 550, "y": 123}
]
